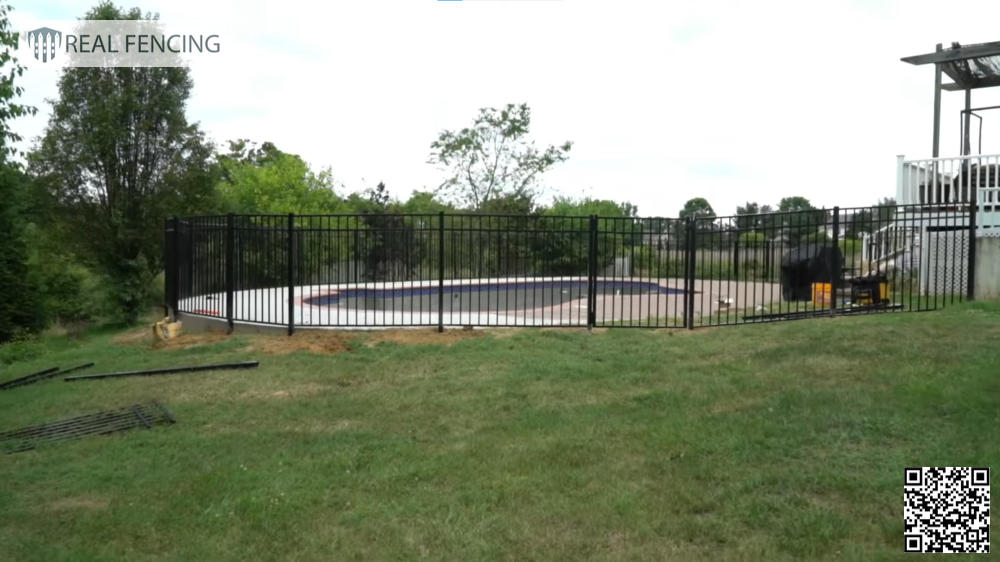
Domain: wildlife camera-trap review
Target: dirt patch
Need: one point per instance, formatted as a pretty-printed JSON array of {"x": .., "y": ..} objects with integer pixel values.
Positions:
[
  {"x": 421, "y": 337},
  {"x": 187, "y": 341},
  {"x": 78, "y": 502},
  {"x": 143, "y": 336},
  {"x": 314, "y": 341},
  {"x": 137, "y": 336}
]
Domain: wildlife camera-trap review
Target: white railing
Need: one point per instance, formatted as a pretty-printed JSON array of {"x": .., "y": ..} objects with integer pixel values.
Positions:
[
  {"x": 988, "y": 217},
  {"x": 946, "y": 182},
  {"x": 891, "y": 246}
]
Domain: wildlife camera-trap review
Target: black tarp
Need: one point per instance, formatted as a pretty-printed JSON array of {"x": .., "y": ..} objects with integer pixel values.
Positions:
[{"x": 807, "y": 264}]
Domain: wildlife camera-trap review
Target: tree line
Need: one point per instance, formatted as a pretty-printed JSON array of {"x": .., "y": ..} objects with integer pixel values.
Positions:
[{"x": 82, "y": 211}]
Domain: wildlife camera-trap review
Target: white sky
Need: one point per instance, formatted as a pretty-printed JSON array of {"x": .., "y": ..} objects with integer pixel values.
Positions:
[{"x": 664, "y": 101}]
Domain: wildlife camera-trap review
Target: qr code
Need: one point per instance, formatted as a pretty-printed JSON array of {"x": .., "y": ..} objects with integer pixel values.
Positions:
[{"x": 946, "y": 509}]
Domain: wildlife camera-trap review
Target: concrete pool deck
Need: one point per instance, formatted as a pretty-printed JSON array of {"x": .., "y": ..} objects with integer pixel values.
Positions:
[{"x": 269, "y": 306}]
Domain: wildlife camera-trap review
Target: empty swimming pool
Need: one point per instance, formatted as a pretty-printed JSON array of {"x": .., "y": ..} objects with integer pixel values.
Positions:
[
  {"x": 481, "y": 297},
  {"x": 524, "y": 301}
]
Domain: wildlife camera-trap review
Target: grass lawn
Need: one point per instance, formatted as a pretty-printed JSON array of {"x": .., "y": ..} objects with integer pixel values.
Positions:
[{"x": 781, "y": 441}]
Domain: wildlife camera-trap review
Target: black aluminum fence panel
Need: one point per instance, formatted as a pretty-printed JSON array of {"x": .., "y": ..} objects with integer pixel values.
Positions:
[
  {"x": 366, "y": 270},
  {"x": 640, "y": 275},
  {"x": 504, "y": 270},
  {"x": 780, "y": 266},
  {"x": 516, "y": 270}
]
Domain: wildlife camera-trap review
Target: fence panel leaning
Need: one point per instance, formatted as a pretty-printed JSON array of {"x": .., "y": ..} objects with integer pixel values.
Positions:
[{"x": 437, "y": 270}]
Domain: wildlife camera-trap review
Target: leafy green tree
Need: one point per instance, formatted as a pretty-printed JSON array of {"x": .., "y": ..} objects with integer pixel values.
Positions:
[
  {"x": 509, "y": 204},
  {"x": 389, "y": 249},
  {"x": 747, "y": 216},
  {"x": 886, "y": 209},
  {"x": 567, "y": 206},
  {"x": 117, "y": 154},
  {"x": 424, "y": 202},
  {"x": 858, "y": 223},
  {"x": 701, "y": 211},
  {"x": 19, "y": 299},
  {"x": 801, "y": 221},
  {"x": 493, "y": 158},
  {"x": 697, "y": 208},
  {"x": 10, "y": 70},
  {"x": 867, "y": 220},
  {"x": 264, "y": 180}
]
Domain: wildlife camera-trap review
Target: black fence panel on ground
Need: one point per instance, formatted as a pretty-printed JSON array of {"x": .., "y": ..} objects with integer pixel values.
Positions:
[{"x": 541, "y": 270}]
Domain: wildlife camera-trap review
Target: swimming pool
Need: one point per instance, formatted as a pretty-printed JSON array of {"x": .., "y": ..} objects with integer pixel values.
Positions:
[{"x": 481, "y": 297}]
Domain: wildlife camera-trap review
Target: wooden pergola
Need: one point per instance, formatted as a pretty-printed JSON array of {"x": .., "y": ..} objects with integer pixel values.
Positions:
[{"x": 970, "y": 67}]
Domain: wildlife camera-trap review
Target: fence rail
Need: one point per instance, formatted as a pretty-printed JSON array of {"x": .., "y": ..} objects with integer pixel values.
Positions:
[{"x": 539, "y": 270}]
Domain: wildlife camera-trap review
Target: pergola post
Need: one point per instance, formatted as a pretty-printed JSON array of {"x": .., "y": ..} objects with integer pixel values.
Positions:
[
  {"x": 937, "y": 106},
  {"x": 967, "y": 122}
]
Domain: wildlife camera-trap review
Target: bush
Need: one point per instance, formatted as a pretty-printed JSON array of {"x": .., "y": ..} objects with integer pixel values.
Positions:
[
  {"x": 70, "y": 293},
  {"x": 21, "y": 346},
  {"x": 18, "y": 295}
]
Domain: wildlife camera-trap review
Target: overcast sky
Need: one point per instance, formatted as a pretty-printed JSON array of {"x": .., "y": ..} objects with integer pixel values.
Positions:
[{"x": 732, "y": 101}]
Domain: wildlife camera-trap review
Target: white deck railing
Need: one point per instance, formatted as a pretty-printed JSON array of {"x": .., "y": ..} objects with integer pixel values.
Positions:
[
  {"x": 946, "y": 182},
  {"x": 988, "y": 217},
  {"x": 891, "y": 246}
]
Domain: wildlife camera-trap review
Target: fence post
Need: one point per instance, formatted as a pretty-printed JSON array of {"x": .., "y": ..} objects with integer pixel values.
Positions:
[
  {"x": 592, "y": 274},
  {"x": 837, "y": 269},
  {"x": 230, "y": 281},
  {"x": 190, "y": 257},
  {"x": 736, "y": 256},
  {"x": 291, "y": 273},
  {"x": 970, "y": 275},
  {"x": 441, "y": 271},
  {"x": 685, "y": 247},
  {"x": 692, "y": 231},
  {"x": 171, "y": 267}
]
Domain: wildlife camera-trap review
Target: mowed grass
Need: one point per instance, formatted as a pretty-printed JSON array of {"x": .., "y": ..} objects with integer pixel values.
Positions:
[{"x": 783, "y": 441}]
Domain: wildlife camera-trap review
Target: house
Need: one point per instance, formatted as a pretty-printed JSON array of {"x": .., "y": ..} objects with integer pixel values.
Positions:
[{"x": 939, "y": 195}]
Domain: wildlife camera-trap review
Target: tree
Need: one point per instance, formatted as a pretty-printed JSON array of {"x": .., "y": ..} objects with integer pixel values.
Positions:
[
  {"x": 10, "y": 70},
  {"x": 567, "y": 206},
  {"x": 746, "y": 216},
  {"x": 697, "y": 208},
  {"x": 264, "y": 180},
  {"x": 424, "y": 202},
  {"x": 117, "y": 153},
  {"x": 886, "y": 210},
  {"x": 390, "y": 251},
  {"x": 868, "y": 220},
  {"x": 802, "y": 221},
  {"x": 18, "y": 296},
  {"x": 493, "y": 159},
  {"x": 797, "y": 203}
]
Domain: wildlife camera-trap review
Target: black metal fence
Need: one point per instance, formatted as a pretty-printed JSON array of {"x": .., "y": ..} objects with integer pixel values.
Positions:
[{"x": 540, "y": 270}]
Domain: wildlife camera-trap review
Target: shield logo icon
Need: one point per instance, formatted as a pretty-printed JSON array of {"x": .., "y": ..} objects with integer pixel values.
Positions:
[{"x": 43, "y": 42}]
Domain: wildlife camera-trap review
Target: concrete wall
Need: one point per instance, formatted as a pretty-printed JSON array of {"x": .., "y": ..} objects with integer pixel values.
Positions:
[{"x": 988, "y": 268}]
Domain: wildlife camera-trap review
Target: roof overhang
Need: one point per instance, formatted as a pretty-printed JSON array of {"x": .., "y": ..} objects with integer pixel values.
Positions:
[{"x": 970, "y": 66}]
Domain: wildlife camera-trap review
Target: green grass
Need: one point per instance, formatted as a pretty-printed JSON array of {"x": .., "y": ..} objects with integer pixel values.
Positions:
[{"x": 773, "y": 442}]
